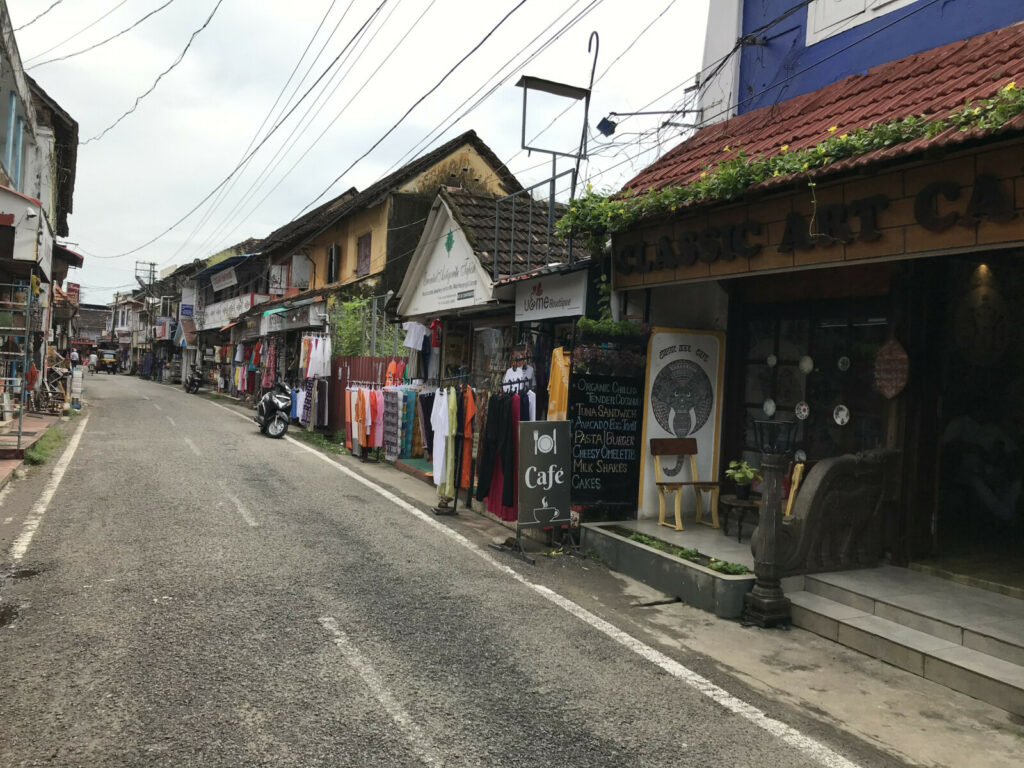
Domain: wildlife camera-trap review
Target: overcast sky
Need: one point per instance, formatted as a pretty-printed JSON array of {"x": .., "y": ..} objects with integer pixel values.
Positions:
[{"x": 195, "y": 127}]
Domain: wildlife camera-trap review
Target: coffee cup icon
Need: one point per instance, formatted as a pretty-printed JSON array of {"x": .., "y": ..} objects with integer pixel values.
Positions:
[{"x": 544, "y": 514}]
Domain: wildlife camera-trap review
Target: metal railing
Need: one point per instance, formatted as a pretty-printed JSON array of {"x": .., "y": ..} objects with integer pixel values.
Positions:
[
  {"x": 15, "y": 328},
  {"x": 531, "y": 205}
]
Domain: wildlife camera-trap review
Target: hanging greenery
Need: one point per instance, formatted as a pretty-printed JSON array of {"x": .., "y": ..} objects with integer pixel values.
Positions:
[{"x": 596, "y": 216}]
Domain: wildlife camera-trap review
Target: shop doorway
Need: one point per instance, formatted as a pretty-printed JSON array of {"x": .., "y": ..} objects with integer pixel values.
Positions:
[{"x": 978, "y": 521}]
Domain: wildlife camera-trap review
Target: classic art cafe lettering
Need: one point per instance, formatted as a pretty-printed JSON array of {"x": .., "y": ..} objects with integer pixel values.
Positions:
[{"x": 830, "y": 224}]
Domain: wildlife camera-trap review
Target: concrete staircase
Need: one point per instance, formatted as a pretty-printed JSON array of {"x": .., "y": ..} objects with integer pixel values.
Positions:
[{"x": 967, "y": 639}]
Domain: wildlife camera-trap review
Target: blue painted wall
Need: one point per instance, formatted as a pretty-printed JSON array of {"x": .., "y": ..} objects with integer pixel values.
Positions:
[{"x": 784, "y": 67}]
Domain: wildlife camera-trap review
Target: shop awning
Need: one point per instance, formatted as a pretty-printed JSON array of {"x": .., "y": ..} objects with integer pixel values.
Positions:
[
  {"x": 229, "y": 325},
  {"x": 66, "y": 254},
  {"x": 274, "y": 311}
]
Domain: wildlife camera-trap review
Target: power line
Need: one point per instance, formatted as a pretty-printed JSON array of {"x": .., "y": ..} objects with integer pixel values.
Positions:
[
  {"x": 256, "y": 149},
  {"x": 86, "y": 28},
  {"x": 152, "y": 88},
  {"x": 409, "y": 111},
  {"x": 37, "y": 18},
  {"x": 225, "y": 191},
  {"x": 337, "y": 116},
  {"x": 102, "y": 42}
]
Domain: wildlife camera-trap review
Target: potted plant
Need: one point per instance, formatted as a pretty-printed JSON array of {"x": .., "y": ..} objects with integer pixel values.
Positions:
[{"x": 743, "y": 475}]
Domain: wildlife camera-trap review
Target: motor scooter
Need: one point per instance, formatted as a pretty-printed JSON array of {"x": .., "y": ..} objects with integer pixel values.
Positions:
[
  {"x": 194, "y": 380},
  {"x": 273, "y": 411}
]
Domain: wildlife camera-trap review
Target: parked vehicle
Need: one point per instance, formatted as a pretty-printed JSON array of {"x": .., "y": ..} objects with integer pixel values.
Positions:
[
  {"x": 273, "y": 411},
  {"x": 108, "y": 361},
  {"x": 194, "y": 380}
]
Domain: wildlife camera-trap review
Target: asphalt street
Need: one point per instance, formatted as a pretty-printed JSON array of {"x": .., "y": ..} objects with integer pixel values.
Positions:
[{"x": 196, "y": 594}]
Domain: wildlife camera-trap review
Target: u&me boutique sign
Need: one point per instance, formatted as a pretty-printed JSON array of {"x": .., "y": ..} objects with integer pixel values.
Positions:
[{"x": 972, "y": 202}]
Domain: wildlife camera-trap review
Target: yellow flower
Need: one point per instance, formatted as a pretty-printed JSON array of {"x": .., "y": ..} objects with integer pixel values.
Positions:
[
  {"x": 805, "y": 166},
  {"x": 1010, "y": 85},
  {"x": 843, "y": 136},
  {"x": 703, "y": 174},
  {"x": 775, "y": 174},
  {"x": 726, "y": 149},
  {"x": 833, "y": 129},
  {"x": 785, "y": 147}
]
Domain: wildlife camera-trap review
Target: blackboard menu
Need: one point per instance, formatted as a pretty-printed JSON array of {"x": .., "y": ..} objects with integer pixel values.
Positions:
[{"x": 605, "y": 414}]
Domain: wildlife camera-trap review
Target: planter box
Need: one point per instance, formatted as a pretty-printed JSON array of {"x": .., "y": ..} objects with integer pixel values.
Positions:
[{"x": 718, "y": 593}]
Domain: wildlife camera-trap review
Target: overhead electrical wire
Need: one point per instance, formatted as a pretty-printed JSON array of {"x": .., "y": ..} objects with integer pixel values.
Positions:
[
  {"x": 102, "y": 42},
  {"x": 379, "y": 67},
  {"x": 68, "y": 39},
  {"x": 263, "y": 141},
  {"x": 156, "y": 82},
  {"x": 37, "y": 18},
  {"x": 409, "y": 111},
  {"x": 224, "y": 191}
]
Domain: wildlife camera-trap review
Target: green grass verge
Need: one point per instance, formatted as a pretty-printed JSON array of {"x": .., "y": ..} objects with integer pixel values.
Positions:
[
  {"x": 327, "y": 443},
  {"x": 41, "y": 451}
]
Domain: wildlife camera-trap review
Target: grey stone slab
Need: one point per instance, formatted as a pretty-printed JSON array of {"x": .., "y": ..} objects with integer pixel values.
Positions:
[
  {"x": 899, "y": 634},
  {"x": 822, "y": 605},
  {"x": 922, "y": 623},
  {"x": 977, "y": 674},
  {"x": 1002, "y": 639},
  {"x": 881, "y": 648},
  {"x": 814, "y": 622},
  {"x": 883, "y": 581},
  {"x": 839, "y": 594}
]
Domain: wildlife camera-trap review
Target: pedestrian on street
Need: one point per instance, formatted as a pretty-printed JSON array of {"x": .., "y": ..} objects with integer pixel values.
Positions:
[
  {"x": 74, "y": 358},
  {"x": 93, "y": 361}
]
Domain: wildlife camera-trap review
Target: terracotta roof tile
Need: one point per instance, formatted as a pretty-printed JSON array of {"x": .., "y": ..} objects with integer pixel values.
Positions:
[{"x": 933, "y": 82}]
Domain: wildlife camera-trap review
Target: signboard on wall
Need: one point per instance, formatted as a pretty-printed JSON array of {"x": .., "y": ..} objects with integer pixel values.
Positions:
[
  {"x": 223, "y": 279},
  {"x": 552, "y": 296},
  {"x": 220, "y": 313},
  {"x": 74, "y": 291},
  {"x": 683, "y": 391},
  {"x": 605, "y": 414},
  {"x": 544, "y": 477}
]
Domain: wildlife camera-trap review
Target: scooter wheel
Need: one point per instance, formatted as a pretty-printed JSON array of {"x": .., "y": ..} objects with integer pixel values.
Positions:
[{"x": 277, "y": 427}]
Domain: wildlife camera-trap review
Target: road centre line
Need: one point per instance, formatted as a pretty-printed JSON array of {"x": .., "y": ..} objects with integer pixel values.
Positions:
[
  {"x": 419, "y": 741},
  {"x": 245, "y": 513},
  {"x": 157, "y": 406},
  {"x": 192, "y": 445},
  {"x": 809, "y": 746},
  {"x": 172, "y": 421},
  {"x": 35, "y": 515}
]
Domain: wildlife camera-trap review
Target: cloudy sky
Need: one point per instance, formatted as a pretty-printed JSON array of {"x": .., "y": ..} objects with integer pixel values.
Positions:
[{"x": 195, "y": 128}]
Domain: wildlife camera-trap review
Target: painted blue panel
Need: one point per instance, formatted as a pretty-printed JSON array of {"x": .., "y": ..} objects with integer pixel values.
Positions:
[{"x": 785, "y": 67}]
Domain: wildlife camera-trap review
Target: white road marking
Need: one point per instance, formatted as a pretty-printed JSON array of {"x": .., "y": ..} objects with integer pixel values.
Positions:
[
  {"x": 193, "y": 447},
  {"x": 4, "y": 493},
  {"x": 245, "y": 513},
  {"x": 172, "y": 421},
  {"x": 35, "y": 515},
  {"x": 809, "y": 746},
  {"x": 7, "y": 520},
  {"x": 417, "y": 739},
  {"x": 145, "y": 397},
  {"x": 157, "y": 406}
]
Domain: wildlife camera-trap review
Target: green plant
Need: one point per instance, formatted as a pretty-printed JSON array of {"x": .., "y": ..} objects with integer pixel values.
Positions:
[
  {"x": 595, "y": 216},
  {"x": 43, "y": 448},
  {"x": 742, "y": 473},
  {"x": 683, "y": 553}
]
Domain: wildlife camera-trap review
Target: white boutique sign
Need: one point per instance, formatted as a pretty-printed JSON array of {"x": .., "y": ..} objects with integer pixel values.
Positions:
[{"x": 552, "y": 296}]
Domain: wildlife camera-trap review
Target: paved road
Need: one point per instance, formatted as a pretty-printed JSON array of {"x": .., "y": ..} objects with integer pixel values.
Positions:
[{"x": 210, "y": 597}]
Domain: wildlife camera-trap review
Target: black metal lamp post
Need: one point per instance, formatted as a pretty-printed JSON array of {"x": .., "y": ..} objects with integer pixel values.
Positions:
[{"x": 766, "y": 605}]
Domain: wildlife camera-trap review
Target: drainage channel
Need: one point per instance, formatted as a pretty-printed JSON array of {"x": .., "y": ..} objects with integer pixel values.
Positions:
[{"x": 656, "y": 603}]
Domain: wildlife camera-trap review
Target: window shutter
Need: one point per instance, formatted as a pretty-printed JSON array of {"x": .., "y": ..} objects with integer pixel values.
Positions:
[
  {"x": 333, "y": 258},
  {"x": 363, "y": 264}
]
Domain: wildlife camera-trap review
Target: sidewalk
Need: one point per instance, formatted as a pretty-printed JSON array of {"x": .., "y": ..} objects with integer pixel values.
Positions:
[
  {"x": 915, "y": 720},
  {"x": 35, "y": 425}
]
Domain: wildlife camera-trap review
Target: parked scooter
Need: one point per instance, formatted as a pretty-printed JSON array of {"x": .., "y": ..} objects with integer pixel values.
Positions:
[
  {"x": 273, "y": 411},
  {"x": 194, "y": 380}
]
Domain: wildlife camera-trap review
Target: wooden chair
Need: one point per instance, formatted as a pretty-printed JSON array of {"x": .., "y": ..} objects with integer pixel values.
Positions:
[{"x": 682, "y": 446}]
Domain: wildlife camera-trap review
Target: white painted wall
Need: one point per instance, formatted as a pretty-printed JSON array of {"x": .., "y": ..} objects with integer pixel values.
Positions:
[{"x": 719, "y": 95}]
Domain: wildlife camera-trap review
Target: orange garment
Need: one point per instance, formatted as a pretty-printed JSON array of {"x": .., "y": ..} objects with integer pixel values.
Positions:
[
  {"x": 466, "y": 477},
  {"x": 390, "y": 377},
  {"x": 558, "y": 386},
  {"x": 360, "y": 418}
]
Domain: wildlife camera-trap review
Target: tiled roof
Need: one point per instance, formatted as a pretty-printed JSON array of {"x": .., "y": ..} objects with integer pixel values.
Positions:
[
  {"x": 321, "y": 218},
  {"x": 933, "y": 83},
  {"x": 522, "y": 243}
]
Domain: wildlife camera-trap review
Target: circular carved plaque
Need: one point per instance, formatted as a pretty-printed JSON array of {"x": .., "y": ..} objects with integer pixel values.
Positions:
[{"x": 892, "y": 366}]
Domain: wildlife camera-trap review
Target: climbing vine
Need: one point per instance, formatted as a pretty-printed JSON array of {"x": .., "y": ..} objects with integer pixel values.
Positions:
[{"x": 595, "y": 215}]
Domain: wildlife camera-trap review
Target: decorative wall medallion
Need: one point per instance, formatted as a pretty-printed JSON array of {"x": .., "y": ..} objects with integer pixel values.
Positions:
[
  {"x": 769, "y": 407},
  {"x": 892, "y": 367},
  {"x": 841, "y": 415},
  {"x": 803, "y": 410},
  {"x": 772, "y": 360},
  {"x": 806, "y": 364},
  {"x": 843, "y": 363}
]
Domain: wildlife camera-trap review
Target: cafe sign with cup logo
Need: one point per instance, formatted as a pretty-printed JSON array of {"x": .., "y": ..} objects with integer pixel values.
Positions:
[{"x": 545, "y": 478}]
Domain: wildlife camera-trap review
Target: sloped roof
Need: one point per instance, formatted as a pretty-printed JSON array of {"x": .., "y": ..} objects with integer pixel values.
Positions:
[
  {"x": 316, "y": 221},
  {"x": 932, "y": 83},
  {"x": 65, "y": 129},
  {"x": 522, "y": 241}
]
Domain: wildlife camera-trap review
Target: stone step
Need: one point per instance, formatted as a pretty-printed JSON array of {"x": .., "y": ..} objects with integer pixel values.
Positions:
[
  {"x": 974, "y": 618},
  {"x": 973, "y": 672}
]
